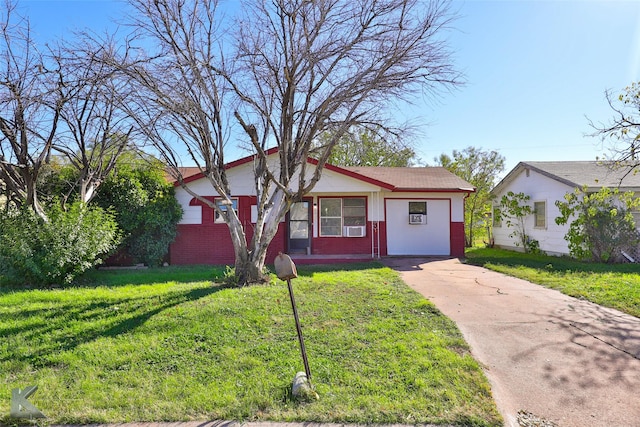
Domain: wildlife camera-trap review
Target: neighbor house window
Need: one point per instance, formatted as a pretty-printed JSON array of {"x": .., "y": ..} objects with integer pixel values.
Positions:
[
  {"x": 540, "y": 213},
  {"x": 222, "y": 204},
  {"x": 337, "y": 213},
  {"x": 497, "y": 217}
]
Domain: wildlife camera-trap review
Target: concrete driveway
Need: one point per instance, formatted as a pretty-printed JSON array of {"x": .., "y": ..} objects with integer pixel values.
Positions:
[{"x": 560, "y": 359}]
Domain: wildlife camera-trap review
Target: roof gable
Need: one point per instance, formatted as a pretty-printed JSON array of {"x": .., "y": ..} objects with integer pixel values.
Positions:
[
  {"x": 577, "y": 174},
  {"x": 389, "y": 178}
]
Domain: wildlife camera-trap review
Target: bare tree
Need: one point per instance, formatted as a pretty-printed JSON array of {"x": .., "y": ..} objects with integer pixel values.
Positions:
[
  {"x": 32, "y": 94},
  {"x": 294, "y": 69},
  {"x": 94, "y": 129},
  {"x": 621, "y": 135}
]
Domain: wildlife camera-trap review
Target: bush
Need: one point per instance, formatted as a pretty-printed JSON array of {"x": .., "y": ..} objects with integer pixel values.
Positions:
[
  {"x": 514, "y": 209},
  {"x": 35, "y": 252},
  {"x": 601, "y": 224},
  {"x": 145, "y": 207},
  {"x": 156, "y": 229}
]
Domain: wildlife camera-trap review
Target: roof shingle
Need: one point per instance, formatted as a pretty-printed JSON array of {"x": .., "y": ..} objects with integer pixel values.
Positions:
[
  {"x": 588, "y": 173},
  {"x": 414, "y": 178}
]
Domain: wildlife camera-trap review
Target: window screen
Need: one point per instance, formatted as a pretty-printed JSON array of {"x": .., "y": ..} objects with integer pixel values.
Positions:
[
  {"x": 418, "y": 208},
  {"x": 540, "y": 212}
]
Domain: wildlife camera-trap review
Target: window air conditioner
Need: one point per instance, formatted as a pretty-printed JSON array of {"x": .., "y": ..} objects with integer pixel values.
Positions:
[
  {"x": 354, "y": 231},
  {"x": 417, "y": 219}
]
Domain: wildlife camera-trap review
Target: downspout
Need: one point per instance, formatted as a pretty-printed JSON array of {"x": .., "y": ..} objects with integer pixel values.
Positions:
[
  {"x": 378, "y": 222},
  {"x": 464, "y": 224},
  {"x": 373, "y": 246},
  {"x": 376, "y": 243}
]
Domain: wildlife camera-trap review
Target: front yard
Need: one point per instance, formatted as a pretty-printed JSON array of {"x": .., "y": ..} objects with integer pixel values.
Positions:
[
  {"x": 611, "y": 285},
  {"x": 171, "y": 345}
]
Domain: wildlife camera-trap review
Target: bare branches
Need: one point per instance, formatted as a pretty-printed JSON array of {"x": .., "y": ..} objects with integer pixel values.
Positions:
[
  {"x": 621, "y": 135},
  {"x": 284, "y": 73},
  {"x": 95, "y": 130},
  {"x": 177, "y": 90},
  {"x": 31, "y": 98},
  {"x": 333, "y": 64}
]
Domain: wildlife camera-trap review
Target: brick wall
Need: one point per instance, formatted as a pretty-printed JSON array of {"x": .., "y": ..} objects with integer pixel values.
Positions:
[
  {"x": 457, "y": 239},
  {"x": 210, "y": 242}
]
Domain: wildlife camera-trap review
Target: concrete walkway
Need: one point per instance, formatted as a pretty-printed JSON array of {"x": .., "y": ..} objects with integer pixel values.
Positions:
[{"x": 564, "y": 360}]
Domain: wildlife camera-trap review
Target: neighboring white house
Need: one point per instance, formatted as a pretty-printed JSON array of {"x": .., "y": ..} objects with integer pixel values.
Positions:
[{"x": 547, "y": 182}]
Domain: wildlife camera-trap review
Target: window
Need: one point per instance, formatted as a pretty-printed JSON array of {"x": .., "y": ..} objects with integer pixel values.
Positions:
[
  {"x": 540, "y": 213},
  {"x": 497, "y": 217},
  {"x": 417, "y": 212},
  {"x": 418, "y": 208},
  {"x": 353, "y": 211},
  {"x": 221, "y": 204},
  {"x": 330, "y": 217},
  {"x": 299, "y": 221},
  {"x": 336, "y": 213}
]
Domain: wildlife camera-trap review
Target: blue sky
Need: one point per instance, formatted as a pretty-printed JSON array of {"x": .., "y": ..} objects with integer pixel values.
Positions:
[{"x": 534, "y": 72}]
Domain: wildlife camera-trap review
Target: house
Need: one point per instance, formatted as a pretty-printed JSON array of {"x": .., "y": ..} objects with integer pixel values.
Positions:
[
  {"x": 547, "y": 182},
  {"x": 353, "y": 213}
]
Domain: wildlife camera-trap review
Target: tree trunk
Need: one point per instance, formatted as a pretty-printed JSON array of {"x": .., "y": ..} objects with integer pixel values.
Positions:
[
  {"x": 249, "y": 264},
  {"x": 87, "y": 190},
  {"x": 32, "y": 195},
  {"x": 250, "y": 268}
]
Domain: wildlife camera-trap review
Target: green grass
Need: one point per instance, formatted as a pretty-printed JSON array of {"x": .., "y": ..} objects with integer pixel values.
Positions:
[
  {"x": 610, "y": 285},
  {"x": 170, "y": 345}
]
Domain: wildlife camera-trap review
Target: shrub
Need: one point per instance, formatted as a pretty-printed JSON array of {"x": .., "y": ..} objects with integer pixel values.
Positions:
[
  {"x": 533, "y": 247},
  {"x": 156, "y": 229},
  {"x": 601, "y": 224},
  {"x": 145, "y": 207},
  {"x": 514, "y": 209},
  {"x": 35, "y": 252}
]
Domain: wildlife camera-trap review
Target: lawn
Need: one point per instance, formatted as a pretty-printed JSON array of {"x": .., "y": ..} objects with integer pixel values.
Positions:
[
  {"x": 610, "y": 285},
  {"x": 176, "y": 344}
]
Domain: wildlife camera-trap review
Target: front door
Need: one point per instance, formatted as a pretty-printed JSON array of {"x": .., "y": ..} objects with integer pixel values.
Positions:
[{"x": 300, "y": 228}]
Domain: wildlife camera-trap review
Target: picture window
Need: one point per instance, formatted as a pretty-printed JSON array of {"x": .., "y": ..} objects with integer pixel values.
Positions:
[{"x": 337, "y": 213}]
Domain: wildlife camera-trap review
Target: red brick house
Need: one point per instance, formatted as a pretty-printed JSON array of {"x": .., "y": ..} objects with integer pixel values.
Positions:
[{"x": 353, "y": 213}]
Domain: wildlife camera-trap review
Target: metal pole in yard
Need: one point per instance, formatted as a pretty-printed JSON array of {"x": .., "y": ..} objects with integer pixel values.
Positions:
[{"x": 299, "y": 329}]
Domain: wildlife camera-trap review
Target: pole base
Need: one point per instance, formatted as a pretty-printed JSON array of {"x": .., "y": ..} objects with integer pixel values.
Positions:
[{"x": 302, "y": 389}]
